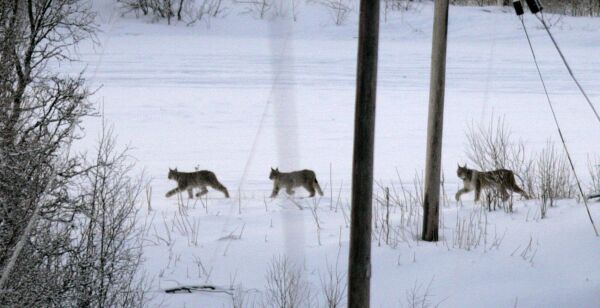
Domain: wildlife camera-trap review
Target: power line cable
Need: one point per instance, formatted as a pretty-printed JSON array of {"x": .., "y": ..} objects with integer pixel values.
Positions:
[
  {"x": 540, "y": 17},
  {"x": 562, "y": 138}
]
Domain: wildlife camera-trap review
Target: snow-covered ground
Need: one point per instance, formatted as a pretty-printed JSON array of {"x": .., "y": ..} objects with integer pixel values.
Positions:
[{"x": 196, "y": 96}]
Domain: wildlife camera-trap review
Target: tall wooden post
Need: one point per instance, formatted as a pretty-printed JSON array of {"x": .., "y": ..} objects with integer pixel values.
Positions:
[
  {"x": 359, "y": 265},
  {"x": 435, "y": 122}
]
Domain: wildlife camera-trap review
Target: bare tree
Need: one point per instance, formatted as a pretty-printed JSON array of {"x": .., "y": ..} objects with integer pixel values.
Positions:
[
  {"x": 39, "y": 110},
  {"x": 108, "y": 247},
  {"x": 44, "y": 212}
]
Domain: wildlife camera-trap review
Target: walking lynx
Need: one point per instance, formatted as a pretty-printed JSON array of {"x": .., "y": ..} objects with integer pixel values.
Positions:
[
  {"x": 198, "y": 179},
  {"x": 501, "y": 180},
  {"x": 305, "y": 178}
]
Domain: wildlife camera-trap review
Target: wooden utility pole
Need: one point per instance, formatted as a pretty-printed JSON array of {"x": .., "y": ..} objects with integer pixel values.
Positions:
[
  {"x": 359, "y": 264},
  {"x": 435, "y": 122}
]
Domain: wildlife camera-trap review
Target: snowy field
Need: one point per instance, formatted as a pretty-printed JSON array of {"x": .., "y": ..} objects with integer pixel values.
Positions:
[{"x": 185, "y": 96}]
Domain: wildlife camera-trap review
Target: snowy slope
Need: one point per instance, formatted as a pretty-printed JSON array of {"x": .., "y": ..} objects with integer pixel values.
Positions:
[{"x": 195, "y": 96}]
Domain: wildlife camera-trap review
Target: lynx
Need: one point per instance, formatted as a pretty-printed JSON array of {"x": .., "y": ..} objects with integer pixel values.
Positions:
[
  {"x": 190, "y": 180},
  {"x": 501, "y": 180},
  {"x": 305, "y": 178}
]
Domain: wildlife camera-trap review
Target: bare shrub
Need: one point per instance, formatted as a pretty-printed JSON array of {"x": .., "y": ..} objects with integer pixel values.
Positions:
[
  {"x": 554, "y": 177},
  {"x": 185, "y": 10},
  {"x": 204, "y": 11},
  {"x": 528, "y": 251},
  {"x": 480, "y": 2},
  {"x": 474, "y": 230},
  {"x": 242, "y": 298},
  {"x": 108, "y": 249},
  {"x": 470, "y": 231},
  {"x": 404, "y": 200},
  {"x": 286, "y": 287},
  {"x": 397, "y": 6},
  {"x": 159, "y": 9},
  {"x": 572, "y": 7},
  {"x": 256, "y": 8},
  {"x": 420, "y": 296},
  {"x": 337, "y": 9},
  {"x": 594, "y": 173},
  {"x": 333, "y": 286},
  {"x": 270, "y": 9},
  {"x": 491, "y": 147},
  {"x": 398, "y": 211}
]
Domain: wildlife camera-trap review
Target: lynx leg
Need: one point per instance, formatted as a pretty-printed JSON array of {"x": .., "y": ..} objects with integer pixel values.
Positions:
[
  {"x": 190, "y": 193},
  {"x": 505, "y": 195},
  {"x": 289, "y": 190},
  {"x": 172, "y": 192},
  {"x": 317, "y": 187},
  {"x": 460, "y": 192},
  {"x": 218, "y": 186},
  {"x": 203, "y": 191},
  {"x": 520, "y": 191},
  {"x": 275, "y": 191},
  {"x": 310, "y": 189},
  {"x": 500, "y": 190},
  {"x": 514, "y": 187},
  {"x": 477, "y": 193}
]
